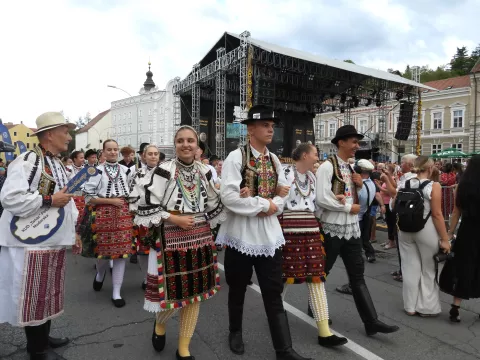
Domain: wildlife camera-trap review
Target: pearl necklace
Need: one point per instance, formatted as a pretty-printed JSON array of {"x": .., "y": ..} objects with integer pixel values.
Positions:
[{"x": 303, "y": 187}]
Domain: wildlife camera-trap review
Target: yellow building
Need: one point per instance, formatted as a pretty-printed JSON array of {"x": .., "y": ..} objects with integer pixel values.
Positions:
[{"x": 20, "y": 132}]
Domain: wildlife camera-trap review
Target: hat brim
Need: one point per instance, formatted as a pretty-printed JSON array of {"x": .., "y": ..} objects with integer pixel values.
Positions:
[
  {"x": 50, "y": 127},
  {"x": 335, "y": 140},
  {"x": 251, "y": 121}
]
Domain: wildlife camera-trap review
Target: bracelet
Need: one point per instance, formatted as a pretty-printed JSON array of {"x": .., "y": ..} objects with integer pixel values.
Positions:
[{"x": 47, "y": 200}]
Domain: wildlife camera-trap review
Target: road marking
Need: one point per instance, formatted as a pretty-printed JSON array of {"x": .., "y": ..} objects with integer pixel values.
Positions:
[{"x": 351, "y": 345}]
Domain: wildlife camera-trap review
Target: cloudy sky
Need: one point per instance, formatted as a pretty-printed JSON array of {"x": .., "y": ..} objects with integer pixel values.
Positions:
[{"x": 61, "y": 54}]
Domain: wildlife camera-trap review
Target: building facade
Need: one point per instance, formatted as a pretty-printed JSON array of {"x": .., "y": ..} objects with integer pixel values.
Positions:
[
  {"x": 21, "y": 132},
  {"x": 95, "y": 132},
  {"x": 447, "y": 121},
  {"x": 147, "y": 117}
]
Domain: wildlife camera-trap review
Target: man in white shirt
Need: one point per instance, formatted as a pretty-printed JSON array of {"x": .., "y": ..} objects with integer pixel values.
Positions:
[
  {"x": 252, "y": 232},
  {"x": 340, "y": 225}
]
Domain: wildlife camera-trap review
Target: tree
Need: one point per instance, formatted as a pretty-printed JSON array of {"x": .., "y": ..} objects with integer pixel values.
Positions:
[
  {"x": 349, "y": 61},
  {"x": 461, "y": 62},
  {"x": 82, "y": 121}
]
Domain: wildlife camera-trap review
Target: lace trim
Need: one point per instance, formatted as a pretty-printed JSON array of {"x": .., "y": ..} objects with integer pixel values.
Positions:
[
  {"x": 346, "y": 231},
  {"x": 216, "y": 216},
  {"x": 151, "y": 220},
  {"x": 250, "y": 249}
]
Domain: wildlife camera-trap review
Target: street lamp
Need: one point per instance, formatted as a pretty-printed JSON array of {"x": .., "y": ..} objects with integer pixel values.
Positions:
[{"x": 126, "y": 92}]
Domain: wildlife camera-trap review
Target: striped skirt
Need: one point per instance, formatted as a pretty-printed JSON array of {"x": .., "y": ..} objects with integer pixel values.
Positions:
[
  {"x": 182, "y": 267},
  {"x": 303, "y": 252},
  {"x": 107, "y": 232}
]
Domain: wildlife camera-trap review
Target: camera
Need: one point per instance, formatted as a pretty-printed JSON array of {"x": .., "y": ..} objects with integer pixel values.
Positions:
[{"x": 442, "y": 257}]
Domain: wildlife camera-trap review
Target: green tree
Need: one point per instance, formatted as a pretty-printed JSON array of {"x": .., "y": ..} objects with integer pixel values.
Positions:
[
  {"x": 349, "y": 61},
  {"x": 460, "y": 62}
]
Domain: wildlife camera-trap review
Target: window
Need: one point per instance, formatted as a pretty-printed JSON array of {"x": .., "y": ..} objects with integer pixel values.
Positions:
[
  {"x": 28, "y": 134},
  {"x": 130, "y": 115},
  {"x": 362, "y": 126},
  {"x": 437, "y": 120},
  {"x": 457, "y": 118},
  {"x": 28, "y": 145},
  {"x": 436, "y": 148},
  {"x": 150, "y": 111},
  {"x": 130, "y": 127},
  {"x": 14, "y": 133},
  {"x": 332, "y": 128},
  {"x": 140, "y": 113},
  {"x": 332, "y": 151},
  {"x": 457, "y": 147},
  {"x": 150, "y": 125},
  {"x": 322, "y": 131}
]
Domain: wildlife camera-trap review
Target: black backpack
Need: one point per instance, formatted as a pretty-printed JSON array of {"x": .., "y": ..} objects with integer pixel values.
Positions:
[{"x": 409, "y": 206}]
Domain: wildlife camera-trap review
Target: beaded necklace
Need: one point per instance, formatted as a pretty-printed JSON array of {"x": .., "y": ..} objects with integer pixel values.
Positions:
[
  {"x": 189, "y": 183},
  {"x": 303, "y": 187},
  {"x": 113, "y": 171}
]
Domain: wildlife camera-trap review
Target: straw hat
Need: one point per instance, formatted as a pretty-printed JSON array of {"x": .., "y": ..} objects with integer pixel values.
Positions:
[{"x": 51, "y": 120}]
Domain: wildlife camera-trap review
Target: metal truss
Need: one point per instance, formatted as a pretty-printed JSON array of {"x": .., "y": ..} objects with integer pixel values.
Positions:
[
  {"x": 196, "y": 101},
  {"x": 244, "y": 49},
  {"x": 176, "y": 106},
  {"x": 383, "y": 98},
  {"x": 220, "y": 92},
  {"x": 416, "y": 131}
]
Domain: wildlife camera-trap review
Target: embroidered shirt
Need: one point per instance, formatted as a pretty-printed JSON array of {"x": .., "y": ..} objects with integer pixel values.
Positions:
[
  {"x": 111, "y": 182},
  {"x": 335, "y": 217},
  {"x": 303, "y": 198},
  {"x": 243, "y": 229},
  {"x": 158, "y": 193}
]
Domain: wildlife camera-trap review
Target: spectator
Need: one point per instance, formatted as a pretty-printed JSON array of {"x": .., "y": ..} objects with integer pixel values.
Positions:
[
  {"x": 128, "y": 154},
  {"x": 390, "y": 215},
  {"x": 420, "y": 291},
  {"x": 458, "y": 170}
]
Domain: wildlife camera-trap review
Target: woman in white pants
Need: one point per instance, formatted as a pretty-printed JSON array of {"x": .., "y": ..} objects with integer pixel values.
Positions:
[{"x": 420, "y": 291}]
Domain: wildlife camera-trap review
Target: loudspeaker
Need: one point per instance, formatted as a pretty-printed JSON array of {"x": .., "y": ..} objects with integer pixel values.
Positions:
[{"x": 405, "y": 119}]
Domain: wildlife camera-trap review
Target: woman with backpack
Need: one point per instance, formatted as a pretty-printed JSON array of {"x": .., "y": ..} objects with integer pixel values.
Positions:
[
  {"x": 421, "y": 227},
  {"x": 461, "y": 274}
]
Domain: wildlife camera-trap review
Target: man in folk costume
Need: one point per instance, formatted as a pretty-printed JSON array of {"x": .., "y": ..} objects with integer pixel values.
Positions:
[
  {"x": 32, "y": 270},
  {"x": 340, "y": 226},
  {"x": 252, "y": 232}
]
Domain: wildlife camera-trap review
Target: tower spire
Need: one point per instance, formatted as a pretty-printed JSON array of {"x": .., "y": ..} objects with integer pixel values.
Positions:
[{"x": 149, "y": 83}]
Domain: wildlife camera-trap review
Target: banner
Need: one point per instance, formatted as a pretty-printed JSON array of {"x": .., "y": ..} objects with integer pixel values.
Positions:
[
  {"x": 6, "y": 138},
  {"x": 21, "y": 147}
]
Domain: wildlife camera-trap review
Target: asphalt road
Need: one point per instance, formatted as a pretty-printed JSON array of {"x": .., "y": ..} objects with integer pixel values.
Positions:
[{"x": 100, "y": 331}]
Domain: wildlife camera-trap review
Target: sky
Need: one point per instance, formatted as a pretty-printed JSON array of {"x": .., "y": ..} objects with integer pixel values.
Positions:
[{"x": 60, "y": 55}]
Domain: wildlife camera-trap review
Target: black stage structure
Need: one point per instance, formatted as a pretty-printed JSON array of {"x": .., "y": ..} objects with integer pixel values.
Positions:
[{"x": 240, "y": 72}]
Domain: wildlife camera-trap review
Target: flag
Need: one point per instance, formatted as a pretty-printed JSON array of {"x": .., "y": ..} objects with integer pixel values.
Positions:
[
  {"x": 6, "y": 138},
  {"x": 21, "y": 147}
]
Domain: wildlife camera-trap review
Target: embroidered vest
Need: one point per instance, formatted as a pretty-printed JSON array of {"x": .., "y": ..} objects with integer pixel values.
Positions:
[
  {"x": 46, "y": 184},
  {"x": 338, "y": 184},
  {"x": 259, "y": 175}
]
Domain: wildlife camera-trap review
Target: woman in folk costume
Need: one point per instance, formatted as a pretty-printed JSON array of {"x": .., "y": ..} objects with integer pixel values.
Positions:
[
  {"x": 145, "y": 235},
  {"x": 303, "y": 253},
  {"x": 182, "y": 266},
  {"x": 32, "y": 270},
  {"x": 107, "y": 229},
  {"x": 78, "y": 159}
]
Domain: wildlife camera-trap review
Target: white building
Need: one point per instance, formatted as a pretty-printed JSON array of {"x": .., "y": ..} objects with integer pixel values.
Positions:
[
  {"x": 144, "y": 118},
  {"x": 92, "y": 135}
]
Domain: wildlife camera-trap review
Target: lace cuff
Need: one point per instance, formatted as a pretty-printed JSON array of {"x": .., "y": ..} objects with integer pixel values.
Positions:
[{"x": 149, "y": 216}]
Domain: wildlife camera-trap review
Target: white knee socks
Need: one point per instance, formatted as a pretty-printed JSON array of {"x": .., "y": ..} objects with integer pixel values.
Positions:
[
  {"x": 117, "y": 277},
  {"x": 101, "y": 268},
  {"x": 143, "y": 262}
]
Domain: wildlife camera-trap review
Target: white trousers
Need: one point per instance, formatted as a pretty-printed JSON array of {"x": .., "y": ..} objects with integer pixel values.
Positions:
[{"x": 420, "y": 292}]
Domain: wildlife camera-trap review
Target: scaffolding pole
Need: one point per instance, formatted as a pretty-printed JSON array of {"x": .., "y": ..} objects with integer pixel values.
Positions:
[
  {"x": 176, "y": 106},
  {"x": 244, "y": 50},
  {"x": 196, "y": 100},
  {"x": 220, "y": 92}
]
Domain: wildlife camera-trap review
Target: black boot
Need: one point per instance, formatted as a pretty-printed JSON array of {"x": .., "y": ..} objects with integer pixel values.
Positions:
[
  {"x": 235, "y": 318},
  {"x": 454, "y": 313},
  {"x": 367, "y": 311},
  {"x": 37, "y": 342},
  {"x": 55, "y": 342},
  {"x": 282, "y": 341}
]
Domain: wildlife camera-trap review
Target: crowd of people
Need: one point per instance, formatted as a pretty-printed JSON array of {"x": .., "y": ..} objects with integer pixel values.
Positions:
[{"x": 288, "y": 222}]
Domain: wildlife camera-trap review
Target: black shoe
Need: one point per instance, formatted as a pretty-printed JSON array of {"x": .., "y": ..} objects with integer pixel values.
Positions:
[
  {"x": 250, "y": 282},
  {"x": 454, "y": 313},
  {"x": 331, "y": 341},
  {"x": 144, "y": 286},
  {"x": 235, "y": 340},
  {"x": 282, "y": 341},
  {"x": 371, "y": 259},
  {"x": 133, "y": 259},
  {"x": 158, "y": 341},
  {"x": 191, "y": 357},
  {"x": 97, "y": 285},
  {"x": 345, "y": 289},
  {"x": 44, "y": 356},
  {"x": 118, "y": 303},
  {"x": 57, "y": 342},
  {"x": 379, "y": 327}
]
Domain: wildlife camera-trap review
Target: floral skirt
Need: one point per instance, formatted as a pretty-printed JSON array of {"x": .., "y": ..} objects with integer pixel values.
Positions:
[
  {"x": 303, "y": 252},
  {"x": 80, "y": 204},
  {"x": 107, "y": 232},
  {"x": 182, "y": 267},
  {"x": 145, "y": 239}
]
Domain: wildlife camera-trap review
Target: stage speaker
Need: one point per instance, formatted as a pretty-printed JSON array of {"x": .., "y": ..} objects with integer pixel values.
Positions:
[{"x": 405, "y": 119}]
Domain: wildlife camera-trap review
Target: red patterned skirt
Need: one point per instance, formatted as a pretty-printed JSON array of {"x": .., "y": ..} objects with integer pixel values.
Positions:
[
  {"x": 145, "y": 239},
  {"x": 303, "y": 252},
  {"x": 43, "y": 286},
  {"x": 182, "y": 268},
  {"x": 80, "y": 204},
  {"x": 107, "y": 232}
]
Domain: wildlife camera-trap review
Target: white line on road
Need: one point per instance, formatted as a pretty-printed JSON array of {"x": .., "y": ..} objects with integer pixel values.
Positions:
[{"x": 351, "y": 345}]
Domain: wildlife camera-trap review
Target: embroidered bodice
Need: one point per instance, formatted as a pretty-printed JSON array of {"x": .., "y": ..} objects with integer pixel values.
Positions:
[
  {"x": 302, "y": 190},
  {"x": 112, "y": 181}
]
